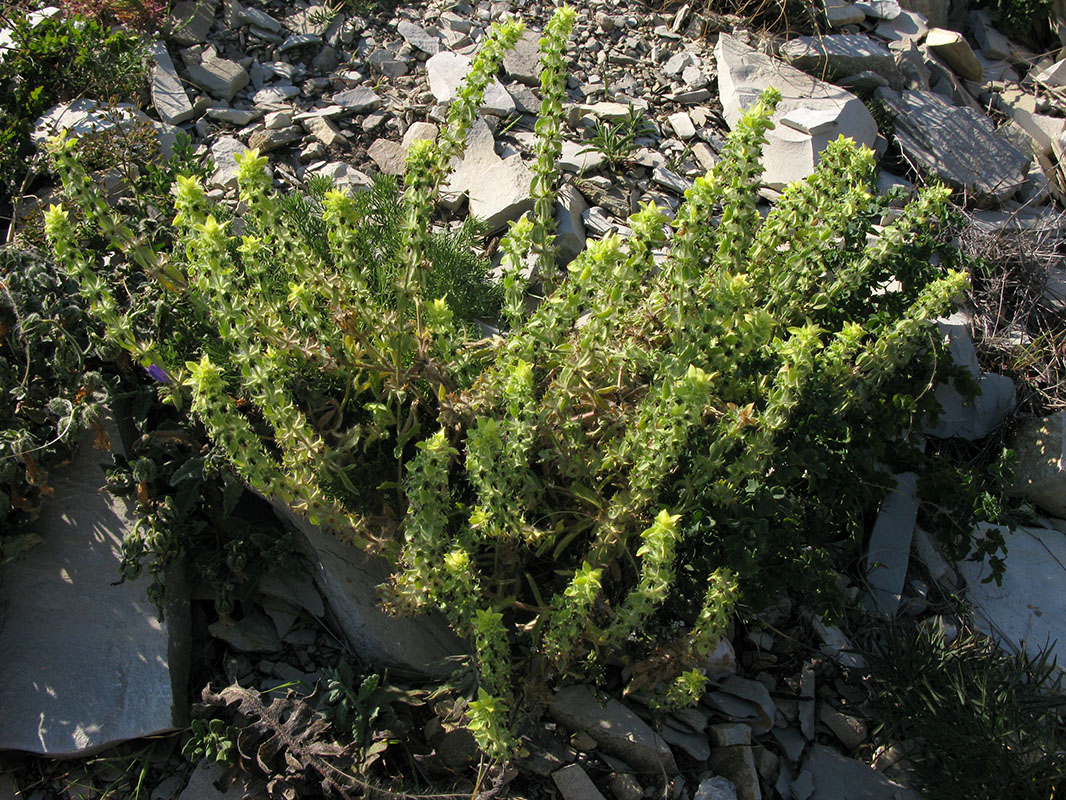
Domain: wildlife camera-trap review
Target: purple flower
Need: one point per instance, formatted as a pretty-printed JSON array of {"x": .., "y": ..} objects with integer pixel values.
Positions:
[{"x": 158, "y": 373}]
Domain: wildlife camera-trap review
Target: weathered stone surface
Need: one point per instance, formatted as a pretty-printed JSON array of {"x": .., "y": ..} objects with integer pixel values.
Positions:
[
  {"x": 837, "y": 777},
  {"x": 223, "y": 153},
  {"x": 276, "y": 95},
  {"x": 85, "y": 663},
  {"x": 681, "y": 122},
  {"x": 956, "y": 52},
  {"x": 1041, "y": 474},
  {"x": 522, "y": 63},
  {"x": 759, "y": 708},
  {"x": 1043, "y": 129},
  {"x": 992, "y": 43},
  {"x": 574, "y": 783},
  {"x": 345, "y": 176},
  {"x": 388, "y": 156},
  {"x": 618, "y": 730},
  {"x": 266, "y": 140},
  {"x": 737, "y": 763},
  {"x": 908, "y": 25},
  {"x": 880, "y": 9},
  {"x": 792, "y": 742},
  {"x": 218, "y": 76},
  {"x": 358, "y": 100},
  {"x": 569, "y": 228},
  {"x": 888, "y": 553},
  {"x": 1028, "y": 610},
  {"x": 168, "y": 95},
  {"x": 789, "y": 154},
  {"x": 934, "y": 11},
  {"x": 234, "y": 116},
  {"x": 417, "y": 37},
  {"x": 325, "y": 130},
  {"x": 446, "y": 72},
  {"x": 929, "y": 131},
  {"x": 498, "y": 188},
  {"x": 84, "y": 118},
  {"x": 841, "y": 54},
  {"x": 963, "y": 417},
  {"x": 695, "y": 745},
  {"x": 254, "y": 633},
  {"x": 206, "y": 780},
  {"x": 840, "y": 13},
  {"x": 189, "y": 21},
  {"x": 1055, "y": 75},
  {"x": 348, "y": 579},
  {"x": 849, "y": 729},
  {"x": 250, "y": 15}
]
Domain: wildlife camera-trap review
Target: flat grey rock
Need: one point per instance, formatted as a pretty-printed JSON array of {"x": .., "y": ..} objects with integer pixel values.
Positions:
[
  {"x": 189, "y": 21},
  {"x": 348, "y": 579},
  {"x": 841, "y": 54},
  {"x": 522, "y": 63},
  {"x": 1028, "y": 610},
  {"x": 574, "y": 783},
  {"x": 836, "y": 777},
  {"x": 446, "y": 73},
  {"x": 254, "y": 633},
  {"x": 234, "y": 116},
  {"x": 498, "y": 188},
  {"x": 250, "y": 15},
  {"x": 168, "y": 95},
  {"x": 358, "y": 100},
  {"x": 888, "y": 552},
  {"x": 737, "y": 764},
  {"x": 695, "y": 745},
  {"x": 957, "y": 144},
  {"x": 716, "y": 788},
  {"x": 85, "y": 664},
  {"x": 840, "y": 13},
  {"x": 417, "y": 37},
  {"x": 569, "y": 227},
  {"x": 223, "y": 152},
  {"x": 743, "y": 73},
  {"x": 908, "y": 25},
  {"x": 274, "y": 95},
  {"x": 85, "y": 118},
  {"x": 617, "y": 730},
  {"x": 219, "y": 77}
]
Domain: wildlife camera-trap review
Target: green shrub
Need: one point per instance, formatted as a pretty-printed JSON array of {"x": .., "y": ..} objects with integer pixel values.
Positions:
[
  {"x": 54, "y": 61},
  {"x": 650, "y": 444}
]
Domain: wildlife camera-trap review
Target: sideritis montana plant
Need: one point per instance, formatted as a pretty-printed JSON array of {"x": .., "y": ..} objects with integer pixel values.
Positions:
[{"x": 686, "y": 417}]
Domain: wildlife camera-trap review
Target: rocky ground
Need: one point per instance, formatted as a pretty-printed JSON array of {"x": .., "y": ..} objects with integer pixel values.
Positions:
[{"x": 344, "y": 95}]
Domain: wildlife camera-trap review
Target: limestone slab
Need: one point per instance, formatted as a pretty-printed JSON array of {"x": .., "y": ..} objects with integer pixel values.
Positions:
[
  {"x": 168, "y": 95},
  {"x": 841, "y": 54},
  {"x": 446, "y": 72},
  {"x": 616, "y": 729},
  {"x": 930, "y": 132},
  {"x": 789, "y": 155},
  {"x": 1028, "y": 610},
  {"x": 85, "y": 663},
  {"x": 836, "y": 777},
  {"x": 888, "y": 553},
  {"x": 348, "y": 579}
]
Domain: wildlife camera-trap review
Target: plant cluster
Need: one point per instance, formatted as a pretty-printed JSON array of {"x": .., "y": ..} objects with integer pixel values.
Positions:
[
  {"x": 141, "y": 15},
  {"x": 980, "y": 723},
  {"x": 50, "y": 62},
  {"x": 48, "y": 390},
  {"x": 604, "y": 483},
  {"x": 617, "y": 141}
]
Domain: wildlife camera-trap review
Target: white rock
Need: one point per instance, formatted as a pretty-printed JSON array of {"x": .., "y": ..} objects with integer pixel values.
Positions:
[
  {"x": 253, "y": 16},
  {"x": 1055, "y": 75},
  {"x": 935, "y": 11},
  {"x": 992, "y": 43},
  {"x": 389, "y": 156},
  {"x": 811, "y": 121},
  {"x": 836, "y": 645},
  {"x": 325, "y": 130},
  {"x": 789, "y": 154},
  {"x": 880, "y": 9},
  {"x": 446, "y": 72},
  {"x": 274, "y": 95},
  {"x": 888, "y": 553},
  {"x": 189, "y": 21},
  {"x": 522, "y": 62},
  {"x": 345, "y": 176},
  {"x": 975, "y": 418},
  {"x": 218, "y": 76},
  {"x": 1041, "y": 473},
  {"x": 85, "y": 118},
  {"x": 681, "y": 122},
  {"x": 84, "y": 662},
  {"x": 223, "y": 152},
  {"x": 573, "y": 160},
  {"x": 168, "y": 95},
  {"x": 841, "y": 55},
  {"x": 498, "y": 188},
  {"x": 1029, "y": 609},
  {"x": 234, "y": 116}
]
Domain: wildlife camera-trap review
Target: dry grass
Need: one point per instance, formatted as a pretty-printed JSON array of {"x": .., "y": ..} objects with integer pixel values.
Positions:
[{"x": 1019, "y": 323}]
